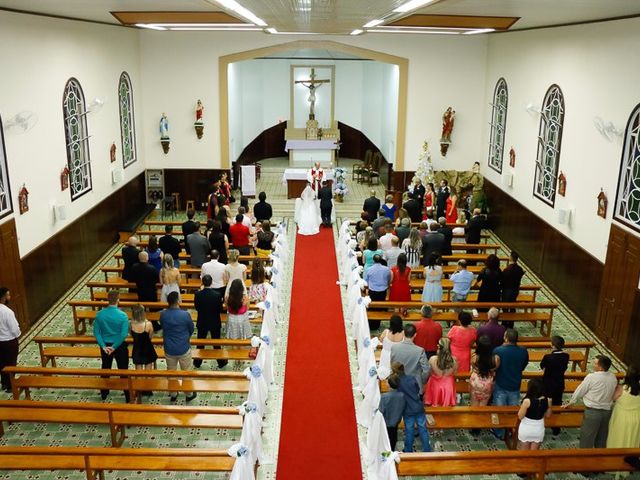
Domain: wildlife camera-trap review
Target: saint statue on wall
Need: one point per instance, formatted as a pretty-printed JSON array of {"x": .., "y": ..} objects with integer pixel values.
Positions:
[
  {"x": 448, "y": 119},
  {"x": 562, "y": 184},
  {"x": 164, "y": 133},
  {"x": 602, "y": 204},
  {"x": 23, "y": 200},
  {"x": 112, "y": 152},
  {"x": 199, "y": 123}
]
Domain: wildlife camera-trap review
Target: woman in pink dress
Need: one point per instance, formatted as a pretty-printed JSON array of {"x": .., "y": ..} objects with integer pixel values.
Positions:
[
  {"x": 400, "y": 274},
  {"x": 462, "y": 337},
  {"x": 441, "y": 387}
]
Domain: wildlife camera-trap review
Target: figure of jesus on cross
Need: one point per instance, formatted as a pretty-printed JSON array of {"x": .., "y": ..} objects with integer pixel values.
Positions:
[{"x": 312, "y": 84}]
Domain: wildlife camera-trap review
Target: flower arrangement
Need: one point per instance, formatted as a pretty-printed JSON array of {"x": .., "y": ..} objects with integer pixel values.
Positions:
[{"x": 424, "y": 170}]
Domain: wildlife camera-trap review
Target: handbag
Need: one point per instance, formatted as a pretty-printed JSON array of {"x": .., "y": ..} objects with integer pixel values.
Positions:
[{"x": 253, "y": 353}]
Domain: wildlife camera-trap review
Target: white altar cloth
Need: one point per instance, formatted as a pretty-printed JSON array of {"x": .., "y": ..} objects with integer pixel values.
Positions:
[
  {"x": 311, "y": 145},
  {"x": 301, "y": 174}
]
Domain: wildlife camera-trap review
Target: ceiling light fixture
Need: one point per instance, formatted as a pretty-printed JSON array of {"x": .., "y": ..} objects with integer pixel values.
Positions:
[
  {"x": 296, "y": 33},
  {"x": 480, "y": 30},
  {"x": 271, "y": 30},
  {"x": 357, "y": 31},
  {"x": 222, "y": 25},
  {"x": 216, "y": 29},
  {"x": 240, "y": 10},
  {"x": 412, "y": 5},
  {"x": 373, "y": 23},
  {"x": 404, "y": 30},
  {"x": 149, "y": 26}
]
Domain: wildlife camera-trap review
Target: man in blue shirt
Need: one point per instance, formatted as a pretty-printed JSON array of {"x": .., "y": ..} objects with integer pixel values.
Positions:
[
  {"x": 511, "y": 360},
  {"x": 377, "y": 277},
  {"x": 461, "y": 279},
  {"x": 177, "y": 327},
  {"x": 111, "y": 328}
]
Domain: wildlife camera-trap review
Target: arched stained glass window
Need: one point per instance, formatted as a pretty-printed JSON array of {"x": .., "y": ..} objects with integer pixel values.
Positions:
[
  {"x": 74, "y": 110},
  {"x": 549, "y": 141},
  {"x": 628, "y": 197},
  {"x": 127, "y": 122},
  {"x": 5, "y": 192},
  {"x": 498, "y": 125}
]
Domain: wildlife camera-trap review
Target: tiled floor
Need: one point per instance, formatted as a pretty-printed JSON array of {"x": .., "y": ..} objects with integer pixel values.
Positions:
[{"x": 58, "y": 322}]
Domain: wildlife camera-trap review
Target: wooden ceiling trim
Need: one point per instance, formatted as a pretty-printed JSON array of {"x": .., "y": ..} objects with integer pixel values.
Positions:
[
  {"x": 131, "y": 18},
  {"x": 456, "y": 21}
]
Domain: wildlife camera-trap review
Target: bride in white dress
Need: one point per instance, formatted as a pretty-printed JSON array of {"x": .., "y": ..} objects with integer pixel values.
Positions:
[{"x": 307, "y": 214}]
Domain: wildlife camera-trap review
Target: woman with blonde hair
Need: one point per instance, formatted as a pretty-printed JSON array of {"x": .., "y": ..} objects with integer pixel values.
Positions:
[
  {"x": 402, "y": 213},
  {"x": 234, "y": 270},
  {"x": 441, "y": 387},
  {"x": 366, "y": 236},
  {"x": 169, "y": 277},
  {"x": 459, "y": 229},
  {"x": 412, "y": 247}
]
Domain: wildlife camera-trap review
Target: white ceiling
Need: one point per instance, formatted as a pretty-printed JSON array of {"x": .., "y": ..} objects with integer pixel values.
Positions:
[{"x": 342, "y": 16}]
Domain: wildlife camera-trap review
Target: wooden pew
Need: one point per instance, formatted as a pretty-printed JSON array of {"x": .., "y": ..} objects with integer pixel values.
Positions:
[
  {"x": 536, "y": 463},
  {"x": 446, "y": 311},
  {"x": 118, "y": 416},
  {"x": 463, "y": 417},
  {"x": 417, "y": 284},
  {"x": 186, "y": 271},
  {"x": 578, "y": 352},
  {"x": 571, "y": 381},
  {"x": 84, "y": 311},
  {"x": 24, "y": 379},
  {"x": 238, "y": 349},
  {"x": 471, "y": 257},
  {"x": 95, "y": 461},
  {"x": 185, "y": 257},
  {"x": 174, "y": 223}
]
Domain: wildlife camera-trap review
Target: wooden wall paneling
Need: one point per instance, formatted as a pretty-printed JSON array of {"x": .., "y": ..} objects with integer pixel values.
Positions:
[
  {"x": 572, "y": 273},
  {"x": 632, "y": 350},
  {"x": 53, "y": 267},
  {"x": 11, "y": 273}
]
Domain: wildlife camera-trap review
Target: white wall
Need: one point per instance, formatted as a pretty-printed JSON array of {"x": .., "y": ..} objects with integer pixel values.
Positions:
[
  {"x": 443, "y": 71},
  {"x": 38, "y": 56},
  {"x": 597, "y": 69}
]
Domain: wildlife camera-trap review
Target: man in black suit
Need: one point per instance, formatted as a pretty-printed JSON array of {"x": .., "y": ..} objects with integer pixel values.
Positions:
[
  {"x": 170, "y": 244},
  {"x": 433, "y": 242},
  {"x": 208, "y": 304},
  {"x": 441, "y": 198},
  {"x": 418, "y": 191},
  {"x": 130, "y": 257},
  {"x": 325, "y": 196},
  {"x": 371, "y": 206},
  {"x": 262, "y": 210},
  {"x": 473, "y": 229},
  {"x": 414, "y": 209},
  {"x": 448, "y": 235},
  {"x": 146, "y": 277},
  {"x": 188, "y": 228}
]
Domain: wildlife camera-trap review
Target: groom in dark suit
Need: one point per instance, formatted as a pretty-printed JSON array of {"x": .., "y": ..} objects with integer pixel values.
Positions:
[{"x": 325, "y": 195}]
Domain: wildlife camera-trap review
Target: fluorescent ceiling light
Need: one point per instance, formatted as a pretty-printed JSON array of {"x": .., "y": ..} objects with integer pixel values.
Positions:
[
  {"x": 240, "y": 10},
  {"x": 357, "y": 31},
  {"x": 296, "y": 33},
  {"x": 480, "y": 30},
  {"x": 215, "y": 29},
  {"x": 271, "y": 30},
  {"x": 149, "y": 26},
  {"x": 421, "y": 29},
  {"x": 228, "y": 25},
  {"x": 373, "y": 23},
  {"x": 412, "y": 5},
  {"x": 435, "y": 32}
]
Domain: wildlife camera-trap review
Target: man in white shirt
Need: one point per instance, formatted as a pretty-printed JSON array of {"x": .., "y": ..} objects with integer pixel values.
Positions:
[
  {"x": 9, "y": 333},
  {"x": 386, "y": 239},
  {"x": 216, "y": 270},
  {"x": 246, "y": 219},
  {"x": 391, "y": 255},
  {"x": 596, "y": 392}
]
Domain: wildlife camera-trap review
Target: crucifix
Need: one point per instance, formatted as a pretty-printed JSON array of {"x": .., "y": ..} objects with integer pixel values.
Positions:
[{"x": 312, "y": 84}]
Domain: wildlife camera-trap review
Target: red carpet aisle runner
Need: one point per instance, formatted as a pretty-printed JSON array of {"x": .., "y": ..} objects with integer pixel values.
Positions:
[{"x": 318, "y": 437}]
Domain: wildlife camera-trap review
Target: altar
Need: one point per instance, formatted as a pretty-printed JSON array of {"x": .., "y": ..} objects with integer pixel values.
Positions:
[
  {"x": 304, "y": 153},
  {"x": 296, "y": 180}
]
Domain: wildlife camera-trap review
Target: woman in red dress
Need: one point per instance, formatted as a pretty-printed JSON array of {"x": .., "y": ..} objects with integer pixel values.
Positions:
[
  {"x": 429, "y": 201},
  {"x": 462, "y": 337},
  {"x": 225, "y": 188},
  {"x": 451, "y": 212},
  {"x": 400, "y": 274}
]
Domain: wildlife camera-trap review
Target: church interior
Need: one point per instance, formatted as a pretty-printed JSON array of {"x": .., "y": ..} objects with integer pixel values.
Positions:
[{"x": 116, "y": 120}]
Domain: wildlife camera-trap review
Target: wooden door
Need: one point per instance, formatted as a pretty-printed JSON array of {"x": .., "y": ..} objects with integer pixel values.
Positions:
[
  {"x": 11, "y": 275},
  {"x": 617, "y": 294}
]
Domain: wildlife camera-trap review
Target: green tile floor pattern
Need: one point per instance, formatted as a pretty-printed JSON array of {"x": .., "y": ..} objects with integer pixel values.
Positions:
[
  {"x": 565, "y": 323},
  {"x": 58, "y": 322}
]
